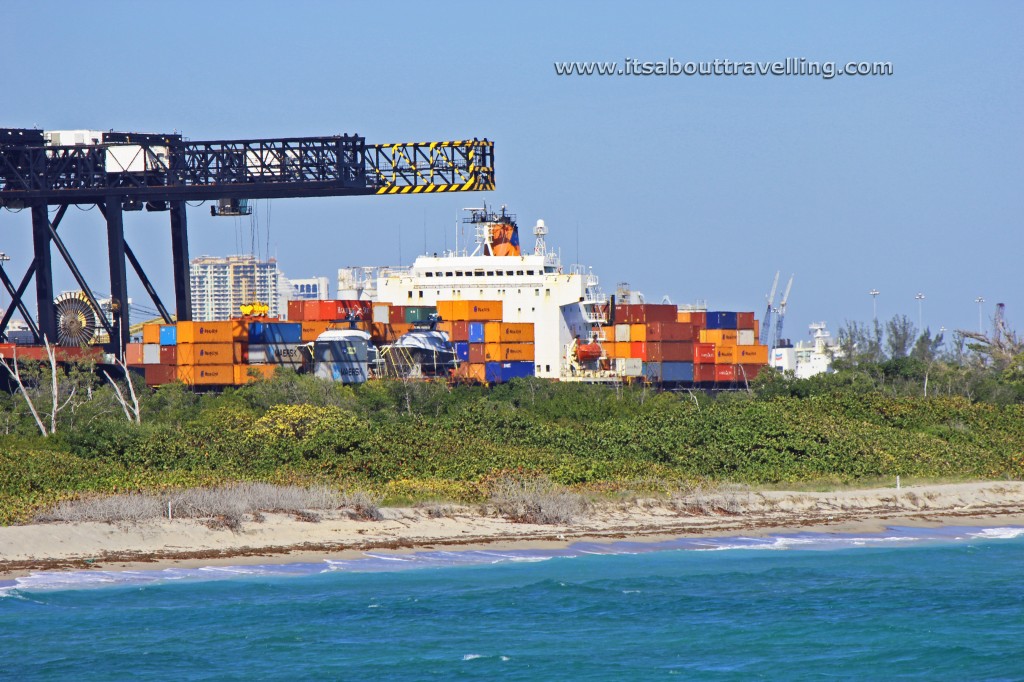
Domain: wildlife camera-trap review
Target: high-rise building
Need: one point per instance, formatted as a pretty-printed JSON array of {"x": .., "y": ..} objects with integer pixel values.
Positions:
[{"x": 221, "y": 285}]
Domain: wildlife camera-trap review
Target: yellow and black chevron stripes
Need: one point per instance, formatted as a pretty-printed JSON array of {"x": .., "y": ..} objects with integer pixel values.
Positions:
[
  {"x": 414, "y": 168},
  {"x": 469, "y": 186}
]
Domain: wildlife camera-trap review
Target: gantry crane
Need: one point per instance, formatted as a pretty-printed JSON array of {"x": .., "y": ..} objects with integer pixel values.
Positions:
[
  {"x": 120, "y": 172},
  {"x": 780, "y": 314},
  {"x": 766, "y": 329}
]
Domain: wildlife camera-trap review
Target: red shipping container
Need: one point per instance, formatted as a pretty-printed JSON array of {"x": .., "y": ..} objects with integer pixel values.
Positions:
[
  {"x": 396, "y": 314},
  {"x": 748, "y": 371},
  {"x": 670, "y": 351},
  {"x": 670, "y": 331},
  {"x": 158, "y": 375},
  {"x": 477, "y": 353},
  {"x": 744, "y": 320},
  {"x": 339, "y": 310},
  {"x": 699, "y": 320},
  {"x": 296, "y": 311},
  {"x": 704, "y": 374},
  {"x": 460, "y": 331},
  {"x": 644, "y": 313},
  {"x": 704, "y": 353},
  {"x": 168, "y": 355},
  {"x": 725, "y": 374},
  {"x": 638, "y": 349}
]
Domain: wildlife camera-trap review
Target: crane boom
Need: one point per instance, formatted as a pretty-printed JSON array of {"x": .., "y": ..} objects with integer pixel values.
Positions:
[
  {"x": 766, "y": 330},
  {"x": 781, "y": 313}
]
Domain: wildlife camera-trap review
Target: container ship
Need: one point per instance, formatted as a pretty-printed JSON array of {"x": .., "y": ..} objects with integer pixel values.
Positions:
[{"x": 485, "y": 316}]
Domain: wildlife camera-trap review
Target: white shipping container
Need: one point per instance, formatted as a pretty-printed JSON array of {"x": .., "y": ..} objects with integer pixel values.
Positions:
[
  {"x": 382, "y": 314},
  {"x": 629, "y": 367},
  {"x": 151, "y": 354},
  {"x": 621, "y": 333},
  {"x": 745, "y": 337}
]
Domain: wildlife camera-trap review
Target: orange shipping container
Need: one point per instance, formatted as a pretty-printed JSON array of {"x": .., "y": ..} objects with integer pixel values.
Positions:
[
  {"x": 683, "y": 316},
  {"x": 205, "y": 332},
  {"x": 752, "y": 355},
  {"x": 151, "y": 333},
  {"x": 243, "y": 374},
  {"x": 638, "y": 332},
  {"x": 133, "y": 353},
  {"x": 507, "y": 352},
  {"x": 312, "y": 329},
  {"x": 296, "y": 311},
  {"x": 725, "y": 355},
  {"x": 704, "y": 353},
  {"x": 471, "y": 371},
  {"x": 399, "y": 329},
  {"x": 718, "y": 336},
  {"x": 207, "y": 375},
  {"x": 205, "y": 354},
  {"x": 476, "y": 311},
  {"x": 757, "y": 329},
  {"x": 508, "y": 332}
]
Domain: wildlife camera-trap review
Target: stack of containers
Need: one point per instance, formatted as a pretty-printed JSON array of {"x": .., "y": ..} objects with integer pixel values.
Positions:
[
  {"x": 204, "y": 353},
  {"x": 389, "y": 322},
  {"x": 321, "y": 315},
  {"x": 488, "y": 349},
  {"x": 728, "y": 350},
  {"x": 273, "y": 344},
  {"x": 649, "y": 341}
]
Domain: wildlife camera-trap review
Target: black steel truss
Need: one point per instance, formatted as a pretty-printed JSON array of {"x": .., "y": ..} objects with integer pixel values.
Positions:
[{"x": 162, "y": 172}]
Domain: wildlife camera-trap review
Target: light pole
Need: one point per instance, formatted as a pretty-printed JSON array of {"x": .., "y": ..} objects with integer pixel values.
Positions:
[
  {"x": 920, "y": 306},
  {"x": 3, "y": 259},
  {"x": 981, "y": 325},
  {"x": 874, "y": 303}
]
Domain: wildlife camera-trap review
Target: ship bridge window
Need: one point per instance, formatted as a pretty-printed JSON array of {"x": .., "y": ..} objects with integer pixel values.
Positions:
[
  {"x": 519, "y": 272},
  {"x": 447, "y": 274},
  {"x": 410, "y": 294},
  {"x": 490, "y": 273},
  {"x": 430, "y": 274},
  {"x": 458, "y": 273},
  {"x": 478, "y": 273},
  {"x": 529, "y": 272}
]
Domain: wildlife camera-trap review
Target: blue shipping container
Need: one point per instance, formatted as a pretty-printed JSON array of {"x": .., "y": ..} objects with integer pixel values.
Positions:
[
  {"x": 275, "y": 332},
  {"x": 500, "y": 372},
  {"x": 720, "y": 320},
  {"x": 669, "y": 372},
  {"x": 168, "y": 335},
  {"x": 462, "y": 351},
  {"x": 476, "y": 332}
]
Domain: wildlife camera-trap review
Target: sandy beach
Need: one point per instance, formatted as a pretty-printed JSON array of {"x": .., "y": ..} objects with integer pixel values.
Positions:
[{"x": 284, "y": 538}]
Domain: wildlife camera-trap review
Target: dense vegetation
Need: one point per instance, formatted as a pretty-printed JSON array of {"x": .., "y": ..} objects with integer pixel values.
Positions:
[{"x": 411, "y": 440}]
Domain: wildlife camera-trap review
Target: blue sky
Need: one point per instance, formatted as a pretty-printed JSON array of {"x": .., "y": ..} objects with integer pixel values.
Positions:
[{"x": 694, "y": 187}]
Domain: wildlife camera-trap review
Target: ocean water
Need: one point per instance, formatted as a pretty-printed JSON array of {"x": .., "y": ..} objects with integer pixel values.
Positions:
[{"x": 922, "y": 604}]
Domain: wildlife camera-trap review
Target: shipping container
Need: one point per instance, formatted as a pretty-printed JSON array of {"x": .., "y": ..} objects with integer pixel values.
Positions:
[
  {"x": 622, "y": 333},
  {"x": 419, "y": 313},
  {"x": 460, "y": 330},
  {"x": 477, "y": 353},
  {"x": 699, "y": 319},
  {"x": 476, "y": 332},
  {"x": 704, "y": 374},
  {"x": 745, "y": 321},
  {"x": 158, "y": 375},
  {"x": 244, "y": 374},
  {"x": 150, "y": 354},
  {"x": 720, "y": 319},
  {"x": 275, "y": 332},
  {"x": 205, "y": 354},
  {"x": 382, "y": 313},
  {"x": 749, "y": 372},
  {"x": 168, "y": 335},
  {"x": 745, "y": 337},
  {"x": 240, "y": 328},
  {"x": 203, "y": 332},
  {"x": 629, "y": 367},
  {"x": 286, "y": 354},
  {"x": 668, "y": 372},
  {"x": 168, "y": 355},
  {"x": 725, "y": 374},
  {"x": 480, "y": 311},
  {"x": 508, "y": 332},
  {"x": 501, "y": 372},
  {"x": 757, "y": 330},
  {"x": 638, "y": 349},
  {"x": 312, "y": 329},
  {"x": 462, "y": 351},
  {"x": 518, "y": 352},
  {"x": 669, "y": 331},
  {"x": 396, "y": 314},
  {"x": 725, "y": 355},
  {"x": 669, "y": 351},
  {"x": 752, "y": 355},
  {"x": 471, "y": 372},
  {"x": 626, "y": 313},
  {"x": 638, "y": 332},
  {"x": 240, "y": 353},
  {"x": 725, "y": 337},
  {"x": 704, "y": 353},
  {"x": 296, "y": 311},
  {"x": 684, "y": 316},
  {"x": 151, "y": 333},
  {"x": 207, "y": 375},
  {"x": 343, "y": 309}
]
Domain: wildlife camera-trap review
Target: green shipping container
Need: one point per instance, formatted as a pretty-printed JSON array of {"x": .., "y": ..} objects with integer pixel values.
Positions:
[{"x": 418, "y": 313}]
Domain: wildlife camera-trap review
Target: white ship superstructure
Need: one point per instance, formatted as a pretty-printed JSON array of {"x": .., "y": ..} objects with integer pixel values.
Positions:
[
  {"x": 807, "y": 358},
  {"x": 533, "y": 288}
]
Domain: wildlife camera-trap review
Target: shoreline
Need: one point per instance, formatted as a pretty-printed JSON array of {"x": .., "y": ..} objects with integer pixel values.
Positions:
[{"x": 284, "y": 539}]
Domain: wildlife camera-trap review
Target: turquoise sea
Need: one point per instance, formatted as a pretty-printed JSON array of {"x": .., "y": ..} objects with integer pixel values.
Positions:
[{"x": 908, "y": 603}]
